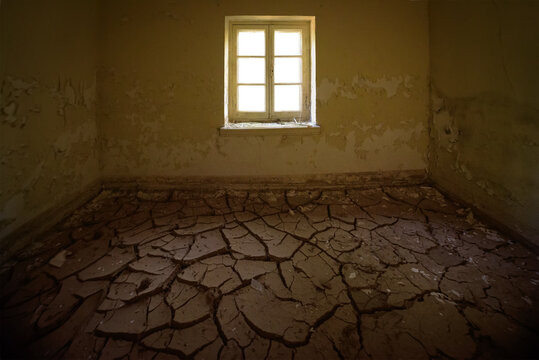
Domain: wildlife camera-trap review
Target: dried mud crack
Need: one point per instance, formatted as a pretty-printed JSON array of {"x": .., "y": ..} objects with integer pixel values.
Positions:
[{"x": 398, "y": 272}]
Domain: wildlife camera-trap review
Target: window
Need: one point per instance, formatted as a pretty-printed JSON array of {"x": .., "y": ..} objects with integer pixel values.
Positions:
[{"x": 269, "y": 69}]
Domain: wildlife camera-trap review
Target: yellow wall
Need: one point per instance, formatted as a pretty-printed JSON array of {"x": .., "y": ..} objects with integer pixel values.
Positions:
[
  {"x": 161, "y": 90},
  {"x": 48, "y": 148},
  {"x": 485, "y": 106}
]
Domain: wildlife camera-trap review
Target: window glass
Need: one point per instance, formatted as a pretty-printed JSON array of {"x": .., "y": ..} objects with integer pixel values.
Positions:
[
  {"x": 252, "y": 98},
  {"x": 251, "y": 43},
  {"x": 287, "y": 43},
  {"x": 288, "y": 70},
  {"x": 251, "y": 70},
  {"x": 287, "y": 98}
]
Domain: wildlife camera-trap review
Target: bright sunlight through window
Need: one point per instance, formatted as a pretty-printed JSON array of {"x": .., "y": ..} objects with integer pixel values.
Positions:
[{"x": 269, "y": 69}]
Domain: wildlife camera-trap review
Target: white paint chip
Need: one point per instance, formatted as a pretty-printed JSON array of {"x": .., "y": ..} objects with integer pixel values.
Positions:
[{"x": 59, "y": 259}]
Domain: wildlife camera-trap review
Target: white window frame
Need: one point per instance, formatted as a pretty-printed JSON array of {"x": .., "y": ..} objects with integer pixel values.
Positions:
[{"x": 270, "y": 23}]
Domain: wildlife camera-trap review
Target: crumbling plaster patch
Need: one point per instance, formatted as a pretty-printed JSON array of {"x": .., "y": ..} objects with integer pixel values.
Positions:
[
  {"x": 485, "y": 109},
  {"x": 390, "y": 86},
  {"x": 160, "y": 110},
  {"x": 220, "y": 156},
  {"x": 48, "y": 144},
  {"x": 470, "y": 130},
  {"x": 485, "y": 148},
  {"x": 164, "y": 136}
]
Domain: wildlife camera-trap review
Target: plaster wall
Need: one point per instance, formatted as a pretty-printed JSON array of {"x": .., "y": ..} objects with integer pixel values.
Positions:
[
  {"x": 485, "y": 107},
  {"x": 161, "y": 90},
  {"x": 48, "y": 131}
]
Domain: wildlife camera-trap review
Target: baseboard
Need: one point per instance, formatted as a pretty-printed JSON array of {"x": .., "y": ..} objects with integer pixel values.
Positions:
[
  {"x": 321, "y": 181},
  {"x": 27, "y": 232},
  {"x": 522, "y": 234}
]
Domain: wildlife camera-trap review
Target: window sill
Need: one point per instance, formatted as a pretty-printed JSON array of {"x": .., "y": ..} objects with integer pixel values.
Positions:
[{"x": 262, "y": 129}]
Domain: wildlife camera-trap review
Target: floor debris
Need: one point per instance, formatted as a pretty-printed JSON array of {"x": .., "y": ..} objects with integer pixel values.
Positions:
[{"x": 397, "y": 272}]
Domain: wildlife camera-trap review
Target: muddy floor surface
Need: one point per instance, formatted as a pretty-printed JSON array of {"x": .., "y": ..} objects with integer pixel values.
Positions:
[{"x": 381, "y": 273}]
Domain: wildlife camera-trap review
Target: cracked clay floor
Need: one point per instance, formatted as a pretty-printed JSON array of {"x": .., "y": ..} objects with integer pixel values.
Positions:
[{"x": 357, "y": 274}]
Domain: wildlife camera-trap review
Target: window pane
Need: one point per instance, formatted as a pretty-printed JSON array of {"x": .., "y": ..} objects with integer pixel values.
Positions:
[
  {"x": 251, "y": 43},
  {"x": 288, "y": 70},
  {"x": 252, "y": 98},
  {"x": 287, "y": 42},
  {"x": 252, "y": 71},
  {"x": 287, "y": 98}
]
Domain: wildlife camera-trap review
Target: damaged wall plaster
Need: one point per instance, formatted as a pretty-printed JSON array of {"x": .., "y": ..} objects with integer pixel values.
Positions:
[
  {"x": 160, "y": 98},
  {"x": 48, "y": 63},
  {"x": 161, "y": 90},
  {"x": 485, "y": 107}
]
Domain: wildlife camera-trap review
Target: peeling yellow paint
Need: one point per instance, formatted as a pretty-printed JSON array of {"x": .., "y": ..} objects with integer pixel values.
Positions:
[
  {"x": 160, "y": 108},
  {"x": 48, "y": 126},
  {"x": 485, "y": 107},
  {"x": 137, "y": 91}
]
